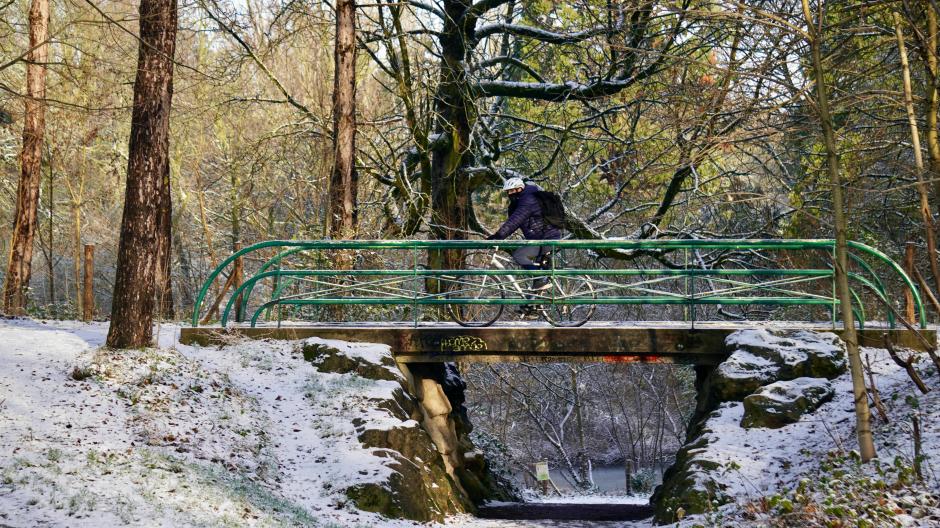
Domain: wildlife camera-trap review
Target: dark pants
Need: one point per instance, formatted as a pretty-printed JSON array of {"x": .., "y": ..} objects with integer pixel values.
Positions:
[{"x": 529, "y": 257}]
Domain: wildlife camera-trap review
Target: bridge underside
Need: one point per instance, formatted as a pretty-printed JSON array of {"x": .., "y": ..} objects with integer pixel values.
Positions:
[{"x": 598, "y": 342}]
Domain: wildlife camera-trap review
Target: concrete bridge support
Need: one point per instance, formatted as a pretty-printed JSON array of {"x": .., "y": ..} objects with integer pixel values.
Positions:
[{"x": 440, "y": 393}]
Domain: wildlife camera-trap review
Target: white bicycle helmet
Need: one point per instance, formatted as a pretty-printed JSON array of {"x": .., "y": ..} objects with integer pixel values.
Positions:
[{"x": 513, "y": 183}]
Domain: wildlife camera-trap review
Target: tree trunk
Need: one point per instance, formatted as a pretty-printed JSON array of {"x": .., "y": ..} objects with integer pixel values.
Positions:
[
  {"x": 27, "y": 193},
  {"x": 933, "y": 102},
  {"x": 207, "y": 234},
  {"x": 344, "y": 178},
  {"x": 48, "y": 250},
  {"x": 453, "y": 105},
  {"x": 148, "y": 156},
  {"x": 165, "y": 251},
  {"x": 850, "y": 336},
  {"x": 88, "y": 287},
  {"x": 236, "y": 278},
  {"x": 77, "y": 254},
  {"x": 187, "y": 278},
  {"x": 75, "y": 203},
  {"x": 922, "y": 191}
]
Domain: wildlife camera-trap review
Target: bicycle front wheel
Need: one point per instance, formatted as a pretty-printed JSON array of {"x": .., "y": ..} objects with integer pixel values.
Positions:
[
  {"x": 471, "y": 294},
  {"x": 569, "y": 290}
]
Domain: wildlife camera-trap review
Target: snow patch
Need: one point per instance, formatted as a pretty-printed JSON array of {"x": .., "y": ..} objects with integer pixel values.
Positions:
[
  {"x": 787, "y": 391},
  {"x": 243, "y": 434},
  {"x": 743, "y": 364}
]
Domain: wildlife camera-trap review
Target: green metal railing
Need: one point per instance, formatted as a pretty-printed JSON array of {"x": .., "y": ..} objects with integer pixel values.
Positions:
[{"x": 407, "y": 283}]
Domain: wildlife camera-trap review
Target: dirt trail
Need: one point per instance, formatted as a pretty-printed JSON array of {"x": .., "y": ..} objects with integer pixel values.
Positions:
[{"x": 567, "y": 512}]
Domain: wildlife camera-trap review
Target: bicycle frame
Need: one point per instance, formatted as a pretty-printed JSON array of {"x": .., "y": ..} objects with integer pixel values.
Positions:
[{"x": 497, "y": 261}]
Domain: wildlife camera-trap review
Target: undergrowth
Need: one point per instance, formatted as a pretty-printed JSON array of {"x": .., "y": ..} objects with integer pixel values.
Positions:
[{"x": 844, "y": 492}]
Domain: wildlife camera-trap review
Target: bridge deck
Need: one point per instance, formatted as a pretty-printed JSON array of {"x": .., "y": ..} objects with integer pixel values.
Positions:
[{"x": 659, "y": 342}]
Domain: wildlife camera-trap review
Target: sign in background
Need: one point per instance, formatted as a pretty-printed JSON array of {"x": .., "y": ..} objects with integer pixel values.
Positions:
[{"x": 541, "y": 471}]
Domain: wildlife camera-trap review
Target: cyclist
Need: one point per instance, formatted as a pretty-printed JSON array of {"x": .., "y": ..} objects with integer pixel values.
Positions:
[{"x": 525, "y": 212}]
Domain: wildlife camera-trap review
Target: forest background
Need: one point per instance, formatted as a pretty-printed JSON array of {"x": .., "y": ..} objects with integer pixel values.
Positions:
[{"x": 671, "y": 119}]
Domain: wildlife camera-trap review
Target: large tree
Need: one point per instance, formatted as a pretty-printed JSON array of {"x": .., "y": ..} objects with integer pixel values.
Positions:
[
  {"x": 147, "y": 167},
  {"x": 27, "y": 194},
  {"x": 344, "y": 178},
  {"x": 496, "y": 59},
  {"x": 814, "y": 37}
]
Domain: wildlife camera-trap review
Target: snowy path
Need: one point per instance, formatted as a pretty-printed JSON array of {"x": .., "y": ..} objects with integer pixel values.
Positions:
[{"x": 562, "y": 511}]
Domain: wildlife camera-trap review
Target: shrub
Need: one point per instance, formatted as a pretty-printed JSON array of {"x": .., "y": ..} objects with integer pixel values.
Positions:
[{"x": 847, "y": 493}]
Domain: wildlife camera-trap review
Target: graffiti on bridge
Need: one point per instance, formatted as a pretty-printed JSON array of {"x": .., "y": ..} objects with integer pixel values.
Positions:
[{"x": 463, "y": 344}]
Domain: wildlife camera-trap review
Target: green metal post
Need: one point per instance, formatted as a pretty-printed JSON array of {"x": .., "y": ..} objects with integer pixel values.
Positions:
[
  {"x": 692, "y": 288},
  {"x": 834, "y": 296},
  {"x": 414, "y": 283}
]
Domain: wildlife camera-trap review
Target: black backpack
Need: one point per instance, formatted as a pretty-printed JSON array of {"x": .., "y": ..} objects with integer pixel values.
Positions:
[{"x": 553, "y": 211}]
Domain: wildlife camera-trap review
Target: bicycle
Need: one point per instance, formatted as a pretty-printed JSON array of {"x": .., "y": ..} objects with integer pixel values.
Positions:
[{"x": 482, "y": 287}]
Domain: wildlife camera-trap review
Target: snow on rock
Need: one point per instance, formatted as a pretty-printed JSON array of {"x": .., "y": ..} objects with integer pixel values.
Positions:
[
  {"x": 785, "y": 402},
  {"x": 797, "y": 352},
  {"x": 808, "y": 473},
  {"x": 423, "y": 486},
  {"x": 698, "y": 480},
  {"x": 743, "y": 372},
  {"x": 762, "y": 355},
  {"x": 254, "y": 434},
  {"x": 366, "y": 352}
]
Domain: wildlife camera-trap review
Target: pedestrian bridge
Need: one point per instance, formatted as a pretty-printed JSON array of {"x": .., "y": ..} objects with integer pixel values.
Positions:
[
  {"x": 533, "y": 343},
  {"x": 608, "y": 300}
]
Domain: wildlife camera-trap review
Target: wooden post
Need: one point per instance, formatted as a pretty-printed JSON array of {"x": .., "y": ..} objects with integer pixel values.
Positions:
[
  {"x": 627, "y": 468},
  {"x": 88, "y": 292},
  {"x": 918, "y": 451},
  {"x": 909, "y": 269},
  {"x": 237, "y": 272}
]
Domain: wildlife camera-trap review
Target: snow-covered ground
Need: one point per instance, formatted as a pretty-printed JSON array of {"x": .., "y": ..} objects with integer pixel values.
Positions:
[
  {"x": 251, "y": 434},
  {"x": 763, "y": 461},
  {"x": 247, "y": 434}
]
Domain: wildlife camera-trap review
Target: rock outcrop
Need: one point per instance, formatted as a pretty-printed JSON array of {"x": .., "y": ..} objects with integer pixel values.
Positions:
[
  {"x": 760, "y": 357},
  {"x": 437, "y": 471},
  {"x": 785, "y": 402},
  {"x": 778, "y": 375}
]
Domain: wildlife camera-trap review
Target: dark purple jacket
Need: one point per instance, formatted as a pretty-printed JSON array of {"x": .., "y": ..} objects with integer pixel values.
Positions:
[{"x": 525, "y": 212}]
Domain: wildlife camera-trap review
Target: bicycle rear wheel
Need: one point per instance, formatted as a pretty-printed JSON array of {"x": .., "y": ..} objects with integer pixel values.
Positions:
[
  {"x": 476, "y": 288},
  {"x": 567, "y": 289}
]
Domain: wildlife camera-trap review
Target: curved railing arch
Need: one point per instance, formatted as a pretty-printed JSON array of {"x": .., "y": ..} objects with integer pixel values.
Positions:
[{"x": 288, "y": 248}]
